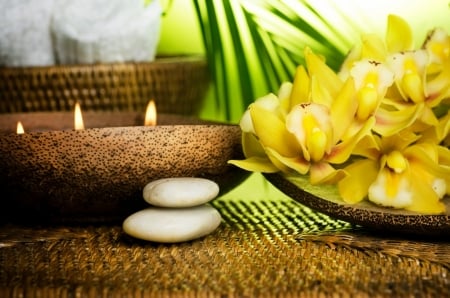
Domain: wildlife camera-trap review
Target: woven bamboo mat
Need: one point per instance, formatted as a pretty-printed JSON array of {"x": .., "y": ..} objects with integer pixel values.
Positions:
[{"x": 262, "y": 248}]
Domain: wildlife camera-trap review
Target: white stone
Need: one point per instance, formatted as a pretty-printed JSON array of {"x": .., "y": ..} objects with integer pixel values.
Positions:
[
  {"x": 180, "y": 192},
  {"x": 172, "y": 225}
]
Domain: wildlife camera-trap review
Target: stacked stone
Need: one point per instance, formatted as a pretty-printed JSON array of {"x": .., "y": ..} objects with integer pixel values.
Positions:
[{"x": 178, "y": 212}]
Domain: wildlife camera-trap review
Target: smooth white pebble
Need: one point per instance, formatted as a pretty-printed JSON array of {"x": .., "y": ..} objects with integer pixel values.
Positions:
[
  {"x": 172, "y": 225},
  {"x": 180, "y": 192}
]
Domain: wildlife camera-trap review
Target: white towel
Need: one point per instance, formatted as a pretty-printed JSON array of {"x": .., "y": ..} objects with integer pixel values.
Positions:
[
  {"x": 25, "y": 38},
  {"x": 96, "y": 31}
]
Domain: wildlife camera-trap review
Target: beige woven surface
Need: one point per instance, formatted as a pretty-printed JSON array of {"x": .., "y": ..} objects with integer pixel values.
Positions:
[
  {"x": 263, "y": 248},
  {"x": 177, "y": 84}
]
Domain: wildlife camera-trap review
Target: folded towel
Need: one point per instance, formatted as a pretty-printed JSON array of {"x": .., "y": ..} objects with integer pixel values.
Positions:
[
  {"x": 25, "y": 38},
  {"x": 91, "y": 31}
]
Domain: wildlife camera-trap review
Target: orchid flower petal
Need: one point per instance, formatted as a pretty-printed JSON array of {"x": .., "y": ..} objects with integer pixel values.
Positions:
[
  {"x": 373, "y": 48},
  {"x": 425, "y": 199},
  {"x": 343, "y": 110},
  {"x": 298, "y": 164},
  {"x": 317, "y": 68},
  {"x": 284, "y": 94},
  {"x": 251, "y": 146},
  {"x": 409, "y": 69},
  {"x": 436, "y": 134},
  {"x": 420, "y": 154},
  {"x": 361, "y": 174},
  {"x": 399, "y": 141},
  {"x": 342, "y": 151},
  {"x": 428, "y": 117},
  {"x": 300, "y": 87},
  {"x": 353, "y": 56},
  {"x": 367, "y": 147},
  {"x": 311, "y": 126},
  {"x": 255, "y": 164},
  {"x": 438, "y": 45},
  {"x": 391, "y": 189},
  {"x": 324, "y": 173},
  {"x": 391, "y": 122},
  {"x": 399, "y": 35},
  {"x": 443, "y": 128},
  {"x": 319, "y": 94},
  {"x": 438, "y": 88},
  {"x": 269, "y": 102},
  {"x": 272, "y": 132},
  {"x": 372, "y": 80},
  {"x": 444, "y": 156}
]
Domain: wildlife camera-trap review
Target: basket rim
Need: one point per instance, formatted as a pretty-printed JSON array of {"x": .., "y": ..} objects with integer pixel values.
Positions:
[{"x": 160, "y": 59}]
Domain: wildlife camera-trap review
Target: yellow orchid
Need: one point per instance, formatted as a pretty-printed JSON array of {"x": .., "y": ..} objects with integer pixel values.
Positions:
[
  {"x": 265, "y": 138},
  {"x": 301, "y": 130},
  {"x": 399, "y": 173},
  {"x": 410, "y": 72},
  {"x": 378, "y": 129},
  {"x": 437, "y": 44},
  {"x": 398, "y": 38},
  {"x": 372, "y": 79}
]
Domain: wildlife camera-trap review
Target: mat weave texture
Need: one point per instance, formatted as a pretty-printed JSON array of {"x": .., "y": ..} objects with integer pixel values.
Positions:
[{"x": 262, "y": 248}]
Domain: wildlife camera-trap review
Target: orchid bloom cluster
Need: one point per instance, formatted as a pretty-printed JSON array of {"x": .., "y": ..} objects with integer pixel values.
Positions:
[{"x": 378, "y": 129}]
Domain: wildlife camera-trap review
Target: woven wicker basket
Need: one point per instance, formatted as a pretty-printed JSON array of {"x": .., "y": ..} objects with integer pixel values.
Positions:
[{"x": 177, "y": 84}]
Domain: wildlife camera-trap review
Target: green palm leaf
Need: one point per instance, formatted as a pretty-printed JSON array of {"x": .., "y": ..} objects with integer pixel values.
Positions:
[{"x": 253, "y": 46}]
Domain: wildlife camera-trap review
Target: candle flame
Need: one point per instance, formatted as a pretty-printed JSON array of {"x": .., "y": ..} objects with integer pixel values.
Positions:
[
  {"x": 150, "y": 114},
  {"x": 79, "y": 124},
  {"x": 20, "y": 129}
]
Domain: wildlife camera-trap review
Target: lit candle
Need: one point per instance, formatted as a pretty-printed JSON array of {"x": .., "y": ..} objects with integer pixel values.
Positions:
[
  {"x": 79, "y": 124},
  {"x": 20, "y": 129},
  {"x": 150, "y": 114}
]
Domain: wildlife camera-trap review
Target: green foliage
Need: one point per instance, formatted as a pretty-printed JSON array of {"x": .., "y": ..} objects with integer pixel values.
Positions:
[{"x": 252, "y": 46}]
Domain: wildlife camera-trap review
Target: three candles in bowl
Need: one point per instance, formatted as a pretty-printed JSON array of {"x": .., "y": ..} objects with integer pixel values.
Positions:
[{"x": 55, "y": 173}]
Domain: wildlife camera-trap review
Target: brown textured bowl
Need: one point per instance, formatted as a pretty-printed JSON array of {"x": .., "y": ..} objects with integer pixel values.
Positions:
[
  {"x": 365, "y": 213},
  {"x": 98, "y": 174}
]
